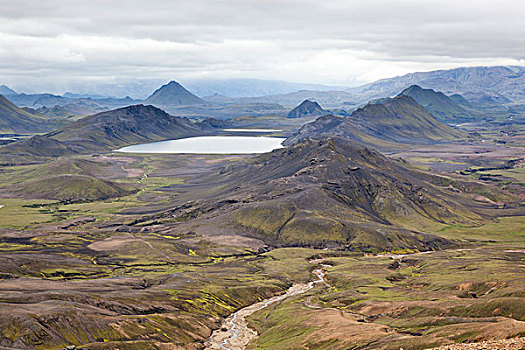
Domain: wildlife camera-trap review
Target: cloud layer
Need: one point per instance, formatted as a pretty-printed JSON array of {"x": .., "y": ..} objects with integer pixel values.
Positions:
[{"x": 46, "y": 43}]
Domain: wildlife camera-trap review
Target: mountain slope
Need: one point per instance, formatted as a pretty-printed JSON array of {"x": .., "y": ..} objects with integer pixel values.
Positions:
[
  {"x": 332, "y": 192},
  {"x": 438, "y": 104},
  {"x": 17, "y": 120},
  {"x": 173, "y": 94},
  {"x": 123, "y": 126},
  {"x": 307, "y": 109},
  {"x": 383, "y": 124}
]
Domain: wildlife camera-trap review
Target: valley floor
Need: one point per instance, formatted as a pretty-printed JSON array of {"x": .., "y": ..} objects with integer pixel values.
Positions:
[{"x": 91, "y": 274}]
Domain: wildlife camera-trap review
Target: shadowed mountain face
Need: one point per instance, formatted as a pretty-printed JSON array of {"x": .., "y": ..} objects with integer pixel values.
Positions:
[
  {"x": 173, "y": 94},
  {"x": 397, "y": 120},
  {"x": 442, "y": 107},
  {"x": 332, "y": 192},
  {"x": 307, "y": 109}
]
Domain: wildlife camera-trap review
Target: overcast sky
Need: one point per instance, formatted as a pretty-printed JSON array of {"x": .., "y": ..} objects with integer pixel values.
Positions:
[{"x": 330, "y": 42}]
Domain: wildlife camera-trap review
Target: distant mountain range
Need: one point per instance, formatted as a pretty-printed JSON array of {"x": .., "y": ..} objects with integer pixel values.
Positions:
[
  {"x": 473, "y": 92},
  {"x": 249, "y": 87},
  {"x": 177, "y": 100},
  {"x": 500, "y": 84},
  {"x": 481, "y": 86},
  {"x": 140, "y": 89},
  {"x": 50, "y": 100},
  {"x": 171, "y": 97}
]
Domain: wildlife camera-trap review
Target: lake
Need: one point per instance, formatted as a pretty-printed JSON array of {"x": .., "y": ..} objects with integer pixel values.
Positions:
[{"x": 210, "y": 145}]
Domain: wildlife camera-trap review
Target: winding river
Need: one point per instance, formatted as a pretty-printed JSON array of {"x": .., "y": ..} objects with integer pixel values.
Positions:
[{"x": 237, "y": 335}]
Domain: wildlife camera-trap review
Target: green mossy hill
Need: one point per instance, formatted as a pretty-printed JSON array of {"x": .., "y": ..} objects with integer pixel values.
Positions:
[
  {"x": 124, "y": 126},
  {"x": 400, "y": 120},
  {"x": 72, "y": 188},
  {"x": 442, "y": 107},
  {"x": 69, "y": 166},
  {"x": 67, "y": 179}
]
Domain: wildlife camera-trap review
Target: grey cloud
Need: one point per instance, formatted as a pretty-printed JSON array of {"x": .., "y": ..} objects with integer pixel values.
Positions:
[{"x": 311, "y": 41}]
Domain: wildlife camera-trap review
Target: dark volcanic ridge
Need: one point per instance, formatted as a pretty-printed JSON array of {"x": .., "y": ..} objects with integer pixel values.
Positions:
[{"x": 328, "y": 193}]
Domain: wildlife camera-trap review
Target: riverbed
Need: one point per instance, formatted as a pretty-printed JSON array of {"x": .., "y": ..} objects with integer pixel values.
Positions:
[{"x": 235, "y": 334}]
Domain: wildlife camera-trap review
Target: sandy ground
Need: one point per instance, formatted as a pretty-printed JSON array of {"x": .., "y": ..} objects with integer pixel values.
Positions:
[
  {"x": 229, "y": 240},
  {"x": 111, "y": 243}
]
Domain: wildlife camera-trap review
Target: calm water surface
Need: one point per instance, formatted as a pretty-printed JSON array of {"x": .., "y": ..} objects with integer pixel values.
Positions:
[{"x": 210, "y": 145}]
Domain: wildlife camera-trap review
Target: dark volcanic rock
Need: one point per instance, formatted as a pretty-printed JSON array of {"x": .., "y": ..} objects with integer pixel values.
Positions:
[{"x": 330, "y": 193}]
